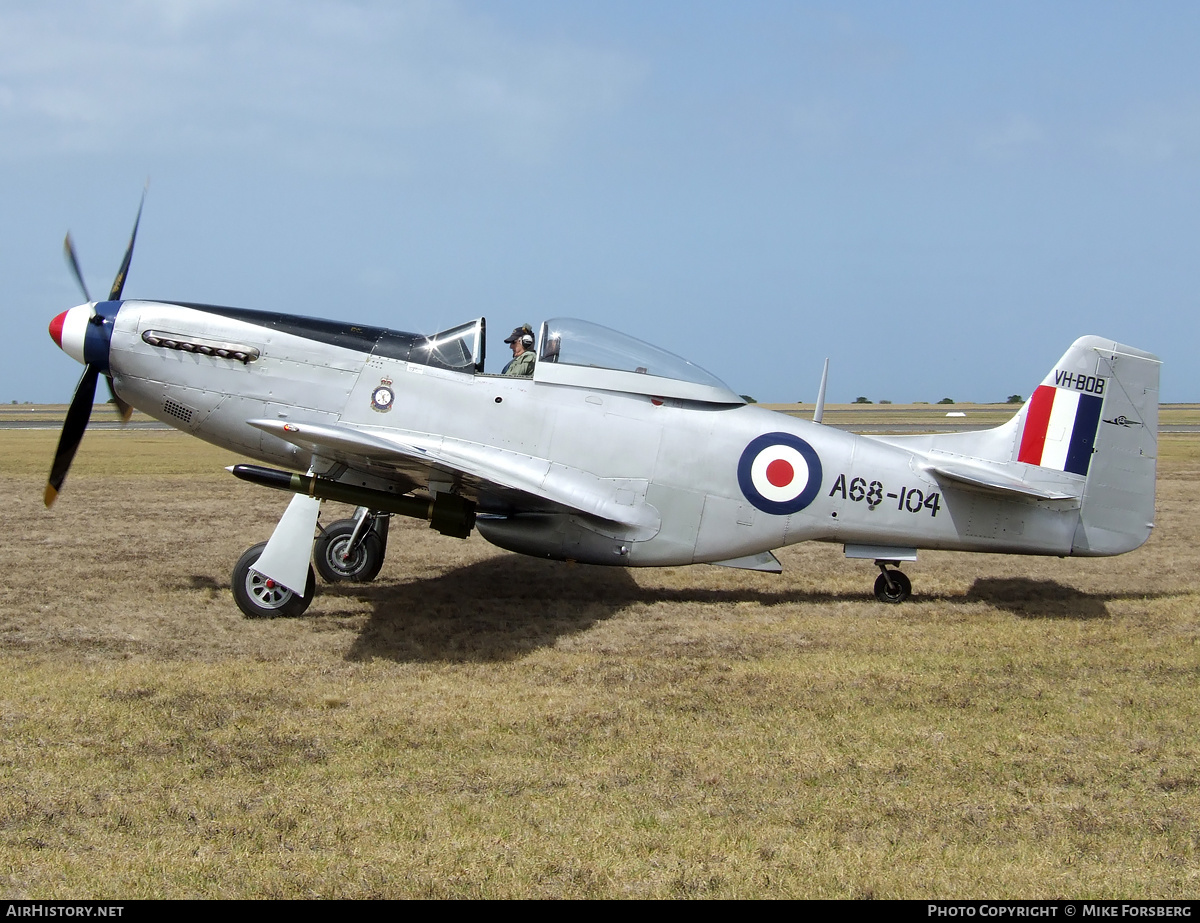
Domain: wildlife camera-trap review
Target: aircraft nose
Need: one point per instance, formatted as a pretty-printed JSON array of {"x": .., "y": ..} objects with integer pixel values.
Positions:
[
  {"x": 70, "y": 332},
  {"x": 56, "y": 328}
]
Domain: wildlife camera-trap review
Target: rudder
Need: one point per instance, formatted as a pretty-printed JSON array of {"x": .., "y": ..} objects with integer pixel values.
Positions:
[{"x": 1118, "y": 502}]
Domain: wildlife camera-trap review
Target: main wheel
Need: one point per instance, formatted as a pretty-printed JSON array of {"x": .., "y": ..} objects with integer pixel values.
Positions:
[
  {"x": 260, "y": 597},
  {"x": 900, "y": 590},
  {"x": 329, "y": 554}
]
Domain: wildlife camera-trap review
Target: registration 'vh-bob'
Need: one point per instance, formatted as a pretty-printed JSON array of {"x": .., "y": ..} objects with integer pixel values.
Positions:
[{"x": 612, "y": 452}]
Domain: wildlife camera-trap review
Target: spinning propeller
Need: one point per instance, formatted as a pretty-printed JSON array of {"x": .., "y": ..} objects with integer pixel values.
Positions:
[{"x": 93, "y": 346}]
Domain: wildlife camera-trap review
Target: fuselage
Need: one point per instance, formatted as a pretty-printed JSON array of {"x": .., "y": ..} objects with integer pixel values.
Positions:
[{"x": 718, "y": 481}]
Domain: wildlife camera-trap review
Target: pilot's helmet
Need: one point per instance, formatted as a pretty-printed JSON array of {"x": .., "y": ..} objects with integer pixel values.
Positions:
[{"x": 524, "y": 333}]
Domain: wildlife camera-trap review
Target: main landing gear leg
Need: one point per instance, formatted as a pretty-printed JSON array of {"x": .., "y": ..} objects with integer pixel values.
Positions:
[
  {"x": 352, "y": 549},
  {"x": 891, "y": 586}
]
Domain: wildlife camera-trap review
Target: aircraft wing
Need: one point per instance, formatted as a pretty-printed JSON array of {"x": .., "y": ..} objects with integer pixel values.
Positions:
[
  {"x": 989, "y": 480},
  {"x": 498, "y": 480}
]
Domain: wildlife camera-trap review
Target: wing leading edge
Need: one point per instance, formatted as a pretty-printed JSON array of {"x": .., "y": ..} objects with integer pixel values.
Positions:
[{"x": 502, "y": 481}]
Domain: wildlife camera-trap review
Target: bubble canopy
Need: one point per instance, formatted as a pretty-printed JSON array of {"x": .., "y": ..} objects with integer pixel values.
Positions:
[{"x": 578, "y": 352}]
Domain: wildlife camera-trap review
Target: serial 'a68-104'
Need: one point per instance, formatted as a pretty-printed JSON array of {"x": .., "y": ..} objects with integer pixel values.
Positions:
[{"x": 613, "y": 452}]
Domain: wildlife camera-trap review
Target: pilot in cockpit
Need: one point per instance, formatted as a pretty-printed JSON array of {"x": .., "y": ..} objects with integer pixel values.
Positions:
[{"x": 521, "y": 342}]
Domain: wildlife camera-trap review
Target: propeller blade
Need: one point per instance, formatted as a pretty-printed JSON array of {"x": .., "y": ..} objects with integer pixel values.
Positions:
[
  {"x": 69, "y": 250},
  {"x": 122, "y": 408},
  {"x": 72, "y": 432},
  {"x": 119, "y": 282}
]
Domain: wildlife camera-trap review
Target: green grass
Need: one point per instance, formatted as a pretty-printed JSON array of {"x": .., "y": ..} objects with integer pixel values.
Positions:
[{"x": 477, "y": 724}]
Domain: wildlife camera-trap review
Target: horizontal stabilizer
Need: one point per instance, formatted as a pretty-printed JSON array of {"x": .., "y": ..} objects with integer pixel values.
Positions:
[{"x": 990, "y": 481}]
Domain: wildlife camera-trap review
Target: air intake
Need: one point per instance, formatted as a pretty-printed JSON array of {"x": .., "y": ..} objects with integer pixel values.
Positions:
[{"x": 177, "y": 410}]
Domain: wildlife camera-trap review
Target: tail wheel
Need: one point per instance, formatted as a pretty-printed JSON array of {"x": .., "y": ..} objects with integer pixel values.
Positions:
[
  {"x": 260, "y": 597},
  {"x": 896, "y": 591},
  {"x": 334, "y": 564}
]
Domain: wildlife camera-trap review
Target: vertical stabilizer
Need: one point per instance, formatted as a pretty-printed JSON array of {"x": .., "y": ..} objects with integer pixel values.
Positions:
[
  {"x": 1096, "y": 416},
  {"x": 1088, "y": 435}
]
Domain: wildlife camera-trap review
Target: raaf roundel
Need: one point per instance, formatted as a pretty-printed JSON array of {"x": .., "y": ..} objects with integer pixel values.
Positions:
[{"x": 779, "y": 473}]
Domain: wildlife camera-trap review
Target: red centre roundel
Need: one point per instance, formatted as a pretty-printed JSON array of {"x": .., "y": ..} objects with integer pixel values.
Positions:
[{"x": 779, "y": 473}]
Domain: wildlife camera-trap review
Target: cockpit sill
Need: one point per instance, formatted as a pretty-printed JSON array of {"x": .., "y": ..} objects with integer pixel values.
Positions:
[
  {"x": 599, "y": 379},
  {"x": 570, "y": 352}
]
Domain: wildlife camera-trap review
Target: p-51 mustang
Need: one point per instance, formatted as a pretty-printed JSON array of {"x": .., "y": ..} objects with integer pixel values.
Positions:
[{"x": 613, "y": 452}]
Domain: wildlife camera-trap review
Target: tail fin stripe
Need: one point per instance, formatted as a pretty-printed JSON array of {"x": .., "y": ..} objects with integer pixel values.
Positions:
[
  {"x": 1060, "y": 429},
  {"x": 1037, "y": 419},
  {"x": 1083, "y": 437}
]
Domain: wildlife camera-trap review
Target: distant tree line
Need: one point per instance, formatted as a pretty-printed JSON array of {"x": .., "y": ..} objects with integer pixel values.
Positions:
[
  {"x": 862, "y": 399},
  {"x": 1012, "y": 399}
]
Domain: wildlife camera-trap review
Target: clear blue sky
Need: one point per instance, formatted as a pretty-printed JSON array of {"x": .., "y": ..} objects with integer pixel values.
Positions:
[{"x": 938, "y": 196}]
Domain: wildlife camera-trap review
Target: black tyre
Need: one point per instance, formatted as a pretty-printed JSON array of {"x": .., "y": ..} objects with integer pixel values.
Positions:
[
  {"x": 260, "y": 597},
  {"x": 900, "y": 590},
  {"x": 330, "y": 548}
]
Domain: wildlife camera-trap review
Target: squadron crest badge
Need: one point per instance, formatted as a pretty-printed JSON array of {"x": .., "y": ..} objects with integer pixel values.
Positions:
[{"x": 383, "y": 397}]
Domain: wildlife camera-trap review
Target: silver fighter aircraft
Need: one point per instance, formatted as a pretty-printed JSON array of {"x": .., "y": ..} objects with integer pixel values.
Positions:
[{"x": 613, "y": 452}]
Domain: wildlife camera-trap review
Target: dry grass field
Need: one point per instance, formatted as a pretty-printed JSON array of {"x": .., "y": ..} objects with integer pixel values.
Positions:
[{"x": 478, "y": 724}]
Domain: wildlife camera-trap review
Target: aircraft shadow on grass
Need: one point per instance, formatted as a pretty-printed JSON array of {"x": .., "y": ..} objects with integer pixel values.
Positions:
[
  {"x": 1046, "y": 599},
  {"x": 508, "y": 606},
  {"x": 492, "y": 610}
]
